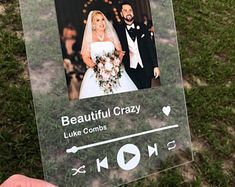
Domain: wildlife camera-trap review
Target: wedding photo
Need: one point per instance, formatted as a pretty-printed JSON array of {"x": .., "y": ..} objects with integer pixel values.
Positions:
[{"x": 108, "y": 47}]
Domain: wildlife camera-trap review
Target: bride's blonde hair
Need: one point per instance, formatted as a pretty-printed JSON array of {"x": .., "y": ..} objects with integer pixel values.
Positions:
[{"x": 95, "y": 13}]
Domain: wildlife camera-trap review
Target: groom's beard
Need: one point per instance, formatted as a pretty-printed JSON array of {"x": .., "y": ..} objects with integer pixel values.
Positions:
[{"x": 129, "y": 18}]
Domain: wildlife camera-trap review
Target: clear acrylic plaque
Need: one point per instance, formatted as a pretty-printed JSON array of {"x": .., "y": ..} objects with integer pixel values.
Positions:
[{"x": 107, "y": 140}]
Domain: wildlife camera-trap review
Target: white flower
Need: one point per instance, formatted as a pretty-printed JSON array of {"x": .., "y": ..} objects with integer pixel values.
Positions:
[
  {"x": 107, "y": 60},
  {"x": 100, "y": 65},
  {"x": 108, "y": 66},
  {"x": 105, "y": 76},
  {"x": 113, "y": 73},
  {"x": 117, "y": 69},
  {"x": 116, "y": 62}
]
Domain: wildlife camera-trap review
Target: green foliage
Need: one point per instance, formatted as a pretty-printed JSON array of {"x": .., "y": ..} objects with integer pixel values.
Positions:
[
  {"x": 171, "y": 178},
  {"x": 212, "y": 170},
  {"x": 18, "y": 133}
]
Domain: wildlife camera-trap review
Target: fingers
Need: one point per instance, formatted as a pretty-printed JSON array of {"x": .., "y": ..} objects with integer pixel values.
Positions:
[
  {"x": 123, "y": 52},
  {"x": 23, "y": 181},
  {"x": 156, "y": 72},
  {"x": 39, "y": 183}
]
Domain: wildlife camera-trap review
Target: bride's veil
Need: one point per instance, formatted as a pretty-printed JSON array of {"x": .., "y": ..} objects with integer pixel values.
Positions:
[{"x": 110, "y": 33}]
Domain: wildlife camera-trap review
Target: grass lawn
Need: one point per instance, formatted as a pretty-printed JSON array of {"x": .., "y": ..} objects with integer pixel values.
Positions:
[{"x": 206, "y": 36}]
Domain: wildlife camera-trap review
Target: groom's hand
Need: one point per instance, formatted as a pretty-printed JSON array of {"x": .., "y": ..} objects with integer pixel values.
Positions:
[{"x": 156, "y": 72}]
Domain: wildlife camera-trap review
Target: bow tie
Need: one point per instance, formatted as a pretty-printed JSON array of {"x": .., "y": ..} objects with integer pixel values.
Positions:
[
  {"x": 132, "y": 31},
  {"x": 130, "y": 26}
]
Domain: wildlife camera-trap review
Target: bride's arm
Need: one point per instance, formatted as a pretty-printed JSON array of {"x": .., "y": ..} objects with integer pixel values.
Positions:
[
  {"x": 118, "y": 47},
  {"x": 88, "y": 61}
]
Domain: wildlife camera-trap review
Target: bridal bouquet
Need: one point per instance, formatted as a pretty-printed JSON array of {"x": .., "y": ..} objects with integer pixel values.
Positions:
[{"x": 107, "y": 71}]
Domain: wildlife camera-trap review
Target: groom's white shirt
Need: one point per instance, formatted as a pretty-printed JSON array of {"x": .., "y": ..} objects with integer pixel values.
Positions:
[{"x": 135, "y": 58}]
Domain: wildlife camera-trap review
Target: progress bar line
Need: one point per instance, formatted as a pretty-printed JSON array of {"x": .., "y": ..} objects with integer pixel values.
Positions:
[{"x": 74, "y": 149}]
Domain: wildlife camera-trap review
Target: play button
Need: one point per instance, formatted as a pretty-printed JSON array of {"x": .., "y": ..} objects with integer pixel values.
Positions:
[{"x": 128, "y": 157}]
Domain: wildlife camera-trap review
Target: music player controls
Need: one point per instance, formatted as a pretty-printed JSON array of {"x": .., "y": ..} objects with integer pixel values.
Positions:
[
  {"x": 103, "y": 164},
  {"x": 171, "y": 145},
  {"x": 80, "y": 170},
  {"x": 128, "y": 157},
  {"x": 153, "y": 150}
]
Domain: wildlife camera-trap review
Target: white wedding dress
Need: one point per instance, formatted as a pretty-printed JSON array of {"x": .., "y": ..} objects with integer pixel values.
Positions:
[{"x": 90, "y": 86}]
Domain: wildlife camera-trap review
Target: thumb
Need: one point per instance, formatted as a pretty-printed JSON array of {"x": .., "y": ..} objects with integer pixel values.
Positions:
[{"x": 23, "y": 181}]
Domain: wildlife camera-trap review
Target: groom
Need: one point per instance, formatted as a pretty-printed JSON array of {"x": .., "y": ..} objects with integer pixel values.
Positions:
[{"x": 140, "y": 57}]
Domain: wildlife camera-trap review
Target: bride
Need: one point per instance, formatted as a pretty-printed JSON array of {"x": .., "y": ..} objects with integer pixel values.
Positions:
[{"x": 99, "y": 39}]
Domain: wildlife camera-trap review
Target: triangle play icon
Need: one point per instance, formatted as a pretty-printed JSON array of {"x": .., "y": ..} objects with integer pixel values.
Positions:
[{"x": 128, "y": 156}]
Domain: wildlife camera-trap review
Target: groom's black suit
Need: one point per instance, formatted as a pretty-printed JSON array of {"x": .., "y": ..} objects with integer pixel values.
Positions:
[{"x": 140, "y": 76}]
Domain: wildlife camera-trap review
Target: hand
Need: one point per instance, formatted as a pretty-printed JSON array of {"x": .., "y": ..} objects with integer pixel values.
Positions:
[
  {"x": 68, "y": 66},
  {"x": 156, "y": 72},
  {"x": 121, "y": 54},
  {"x": 151, "y": 29},
  {"x": 23, "y": 181},
  {"x": 88, "y": 61},
  {"x": 69, "y": 46}
]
